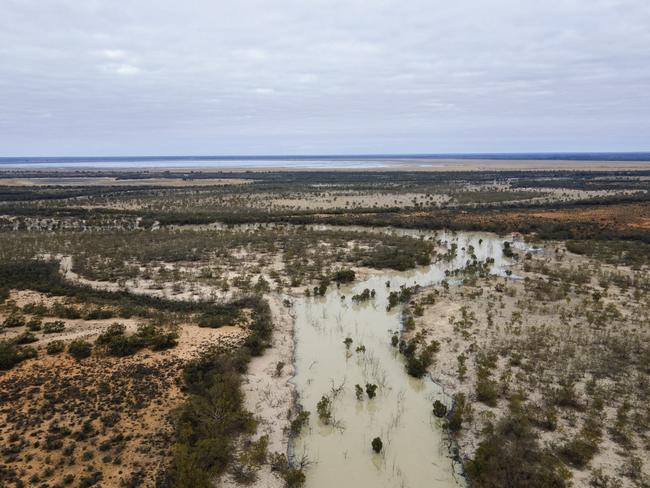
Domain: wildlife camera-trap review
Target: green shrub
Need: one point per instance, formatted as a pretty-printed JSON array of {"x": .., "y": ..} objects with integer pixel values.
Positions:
[
  {"x": 278, "y": 462},
  {"x": 39, "y": 309},
  {"x": 344, "y": 276},
  {"x": 90, "y": 480},
  {"x": 543, "y": 418},
  {"x": 455, "y": 421},
  {"x": 65, "y": 311},
  {"x": 80, "y": 349},
  {"x": 415, "y": 367},
  {"x": 25, "y": 338},
  {"x": 565, "y": 396},
  {"x": 371, "y": 390},
  {"x": 511, "y": 456},
  {"x": 261, "y": 326},
  {"x": 262, "y": 286},
  {"x": 507, "y": 250},
  {"x": 187, "y": 470},
  {"x": 404, "y": 295},
  {"x": 121, "y": 346},
  {"x": 578, "y": 452},
  {"x": 462, "y": 367},
  {"x": 14, "y": 320},
  {"x": 55, "y": 347},
  {"x": 213, "y": 452},
  {"x": 408, "y": 322},
  {"x": 115, "y": 343},
  {"x": 34, "y": 324},
  {"x": 578, "y": 247},
  {"x": 223, "y": 315},
  {"x": 53, "y": 327},
  {"x": 155, "y": 338},
  {"x": 11, "y": 354},
  {"x": 377, "y": 445},
  {"x": 364, "y": 296},
  {"x": 439, "y": 409},
  {"x": 406, "y": 255},
  {"x": 294, "y": 477},
  {"x": 299, "y": 422},
  {"x": 98, "y": 313},
  {"x": 113, "y": 330},
  {"x": 486, "y": 391},
  {"x": 257, "y": 453},
  {"x": 324, "y": 409},
  {"x": 27, "y": 352}
]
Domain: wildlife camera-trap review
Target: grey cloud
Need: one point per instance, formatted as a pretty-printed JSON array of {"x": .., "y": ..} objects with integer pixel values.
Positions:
[{"x": 260, "y": 77}]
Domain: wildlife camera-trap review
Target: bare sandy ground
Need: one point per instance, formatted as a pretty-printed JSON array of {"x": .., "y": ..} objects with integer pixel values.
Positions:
[
  {"x": 147, "y": 431},
  {"x": 269, "y": 395}
]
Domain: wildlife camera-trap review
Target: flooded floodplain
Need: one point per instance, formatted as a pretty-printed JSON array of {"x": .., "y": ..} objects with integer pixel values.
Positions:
[{"x": 415, "y": 451}]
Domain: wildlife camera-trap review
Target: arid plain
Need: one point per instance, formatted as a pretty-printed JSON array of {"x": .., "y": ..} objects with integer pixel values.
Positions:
[{"x": 486, "y": 321}]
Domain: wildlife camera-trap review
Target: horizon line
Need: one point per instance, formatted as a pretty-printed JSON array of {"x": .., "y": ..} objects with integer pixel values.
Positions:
[{"x": 532, "y": 155}]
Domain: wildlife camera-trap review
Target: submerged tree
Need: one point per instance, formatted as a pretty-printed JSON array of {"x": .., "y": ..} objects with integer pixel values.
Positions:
[
  {"x": 439, "y": 409},
  {"x": 344, "y": 276},
  {"x": 324, "y": 409},
  {"x": 377, "y": 445}
]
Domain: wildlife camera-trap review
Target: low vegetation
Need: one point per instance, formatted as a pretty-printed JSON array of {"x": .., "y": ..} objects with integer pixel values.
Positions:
[
  {"x": 548, "y": 366},
  {"x": 549, "y": 369}
]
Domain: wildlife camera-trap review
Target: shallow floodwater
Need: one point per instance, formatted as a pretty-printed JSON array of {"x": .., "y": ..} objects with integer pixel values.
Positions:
[{"x": 415, "y": 453}]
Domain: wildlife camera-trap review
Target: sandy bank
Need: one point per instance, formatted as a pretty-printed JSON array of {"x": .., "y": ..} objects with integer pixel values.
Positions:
[{"x": 270, "y": 394}]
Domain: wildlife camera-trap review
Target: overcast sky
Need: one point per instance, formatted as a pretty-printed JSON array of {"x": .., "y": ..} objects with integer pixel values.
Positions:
[{"x": 141, "y": 77}]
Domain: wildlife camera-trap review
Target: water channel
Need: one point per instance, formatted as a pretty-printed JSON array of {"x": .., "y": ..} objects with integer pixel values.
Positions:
[{"x": 415, "y": 454}]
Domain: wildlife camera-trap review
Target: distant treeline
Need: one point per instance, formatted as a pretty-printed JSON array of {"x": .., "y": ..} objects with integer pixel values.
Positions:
[
  {"x": 41, "y": 202},
  {"x": 60, "y": 192},
  {"x": 352, "y": 177},
  {"x": 471, "y": 219},
  {"x": 241, "y": 215}
]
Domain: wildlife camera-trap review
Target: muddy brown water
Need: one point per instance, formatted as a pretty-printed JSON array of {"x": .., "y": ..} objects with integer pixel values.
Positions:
[{"x": 415, "y": 451}]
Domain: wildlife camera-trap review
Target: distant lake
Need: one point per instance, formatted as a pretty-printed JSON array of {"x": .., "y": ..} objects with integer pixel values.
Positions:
[{"x": 323, "y": 162}]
